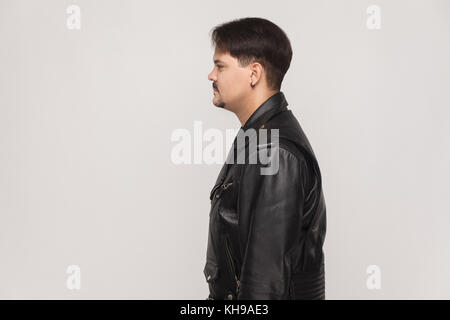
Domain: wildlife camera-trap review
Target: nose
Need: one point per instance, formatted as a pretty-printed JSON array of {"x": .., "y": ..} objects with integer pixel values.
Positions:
[{"x": 212, "y": 76}]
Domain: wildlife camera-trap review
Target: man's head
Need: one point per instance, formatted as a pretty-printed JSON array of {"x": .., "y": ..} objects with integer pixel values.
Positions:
[{"x": 251, "y": 57}]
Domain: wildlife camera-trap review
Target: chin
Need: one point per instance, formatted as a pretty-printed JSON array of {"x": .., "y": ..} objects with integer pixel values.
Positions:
[{"x": 219, "y": 104}]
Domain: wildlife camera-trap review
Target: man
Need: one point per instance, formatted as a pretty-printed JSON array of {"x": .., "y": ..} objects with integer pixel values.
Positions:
[{"x": 266, "y": 228}]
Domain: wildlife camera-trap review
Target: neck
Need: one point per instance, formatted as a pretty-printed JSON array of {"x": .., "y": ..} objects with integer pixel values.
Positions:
[{"x": 252, "y": 103}]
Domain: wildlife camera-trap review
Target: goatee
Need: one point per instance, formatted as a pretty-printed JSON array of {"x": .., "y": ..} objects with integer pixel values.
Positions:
[{"x": 220, "y": 105}]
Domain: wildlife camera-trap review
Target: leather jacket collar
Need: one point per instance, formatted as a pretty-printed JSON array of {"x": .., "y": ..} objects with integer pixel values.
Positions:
[
  {"x": 267, "y": 110},
  {"x": 272, "y": 106}
]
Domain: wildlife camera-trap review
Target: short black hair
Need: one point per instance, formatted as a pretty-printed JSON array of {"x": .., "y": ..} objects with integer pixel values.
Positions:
[{"x": 256, "y": 40}]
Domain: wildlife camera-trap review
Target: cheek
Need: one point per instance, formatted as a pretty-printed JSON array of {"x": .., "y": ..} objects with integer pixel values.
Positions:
[
  {"x": 233, "y": 80},
  {"x": 242, "y": 78}
]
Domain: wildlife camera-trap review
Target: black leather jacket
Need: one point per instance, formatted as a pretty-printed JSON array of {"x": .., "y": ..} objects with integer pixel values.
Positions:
[{"x": 266, "y": 232}]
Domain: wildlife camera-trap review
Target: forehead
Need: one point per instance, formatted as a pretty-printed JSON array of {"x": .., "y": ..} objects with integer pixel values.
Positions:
[{"x": 221, "y": 56}]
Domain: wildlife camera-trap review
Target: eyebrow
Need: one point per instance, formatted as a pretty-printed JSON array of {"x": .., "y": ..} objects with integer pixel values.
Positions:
[{"x": 218, "y": 61}]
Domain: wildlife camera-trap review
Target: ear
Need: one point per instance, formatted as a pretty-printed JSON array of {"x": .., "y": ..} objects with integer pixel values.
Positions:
[{"x": 256, "y": 74}]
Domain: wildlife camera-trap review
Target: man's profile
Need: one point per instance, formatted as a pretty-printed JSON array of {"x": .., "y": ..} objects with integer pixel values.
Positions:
[{"x": 266, "y": 230}]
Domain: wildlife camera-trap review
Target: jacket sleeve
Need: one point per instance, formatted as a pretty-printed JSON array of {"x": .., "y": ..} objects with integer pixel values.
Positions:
[{"x": 270, "y": 221}]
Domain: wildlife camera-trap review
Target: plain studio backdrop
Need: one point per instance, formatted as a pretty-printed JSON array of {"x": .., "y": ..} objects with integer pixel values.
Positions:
[{"x": 88, "y": 186}]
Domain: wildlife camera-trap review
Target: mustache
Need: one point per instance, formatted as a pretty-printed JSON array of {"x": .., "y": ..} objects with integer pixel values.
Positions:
[{"x": 215, "y": 86}]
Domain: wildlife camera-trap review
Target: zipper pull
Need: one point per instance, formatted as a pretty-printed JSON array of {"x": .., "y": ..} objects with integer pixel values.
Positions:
[
  {"x": 237, "y": 285},
  {"x": 226, "y": 185}
]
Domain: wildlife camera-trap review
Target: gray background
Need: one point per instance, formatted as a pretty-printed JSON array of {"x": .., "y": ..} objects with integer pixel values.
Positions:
[{"x": 86, "y": 118}]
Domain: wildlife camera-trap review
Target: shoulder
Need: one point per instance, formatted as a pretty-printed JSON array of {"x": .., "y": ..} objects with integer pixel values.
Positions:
[
  {"x": 286, "y": 150},
  {"x": 281, "y": 157}
]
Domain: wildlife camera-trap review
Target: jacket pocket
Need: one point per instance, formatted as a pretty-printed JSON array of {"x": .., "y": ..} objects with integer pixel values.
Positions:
[
  {"x": 223, "y": 186},
  {"x": 213, "y": 191}
]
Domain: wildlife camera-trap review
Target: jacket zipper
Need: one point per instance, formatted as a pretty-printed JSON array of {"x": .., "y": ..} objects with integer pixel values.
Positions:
[{"x": 230, "y": 259}]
